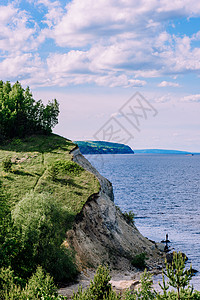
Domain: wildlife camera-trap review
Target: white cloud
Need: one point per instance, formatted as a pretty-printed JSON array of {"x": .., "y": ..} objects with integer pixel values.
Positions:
[
  {"x": 120, "y": 80},
  {"x": 54, "y": 14},
  {"x": 15, "y": 35},
  {"x": 112, "y": 43},
  {"x": 191, "y": 98},
  {"x": 71, "y": 62},
  {"x": 164, "y": 99},
  {"x": 168, "y": 83},
  {"x": 18, "y": 66}
]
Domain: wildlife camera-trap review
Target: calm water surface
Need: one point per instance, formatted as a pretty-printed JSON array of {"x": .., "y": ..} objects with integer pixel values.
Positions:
[{"x": 164, "y": 193}]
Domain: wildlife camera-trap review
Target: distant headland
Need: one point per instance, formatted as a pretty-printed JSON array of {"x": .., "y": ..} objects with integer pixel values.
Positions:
[
  {"x": 162, "y": 151},
  {"x": 102, "y": 147}
]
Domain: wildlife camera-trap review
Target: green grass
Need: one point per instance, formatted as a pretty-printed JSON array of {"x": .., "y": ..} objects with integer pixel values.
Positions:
[{"x": 31, "y": 158}]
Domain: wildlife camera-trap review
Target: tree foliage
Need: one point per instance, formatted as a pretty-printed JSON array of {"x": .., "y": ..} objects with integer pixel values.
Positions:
[
  {"x": 21, "y": 115},
  {"x": 99, "y": 289},
  {"x": 42, "y": 223}
]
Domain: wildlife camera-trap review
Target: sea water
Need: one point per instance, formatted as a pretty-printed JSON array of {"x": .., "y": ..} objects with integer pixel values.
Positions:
[{"x": 164, "y": 193}]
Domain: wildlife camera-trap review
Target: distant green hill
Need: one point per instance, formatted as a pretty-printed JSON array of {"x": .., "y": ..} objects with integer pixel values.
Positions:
[
  {"x": 101, "y": 147},
  {"x": 161, "y": 151}
]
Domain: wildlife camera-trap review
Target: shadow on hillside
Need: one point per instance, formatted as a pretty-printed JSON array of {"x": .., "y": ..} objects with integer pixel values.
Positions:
[
  {"x": 9, "y": 178},
  {"x": 22, "y": 173},
  {"x": 70, "y": 182},
  {"x": 38, "y": 143}
]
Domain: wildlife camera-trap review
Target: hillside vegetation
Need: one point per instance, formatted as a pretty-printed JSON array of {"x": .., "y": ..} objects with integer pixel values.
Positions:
[
  {"x": 40, "y": 194},
  {"x": 32, "y": 158},
  {"x": 41, "y": 191}
]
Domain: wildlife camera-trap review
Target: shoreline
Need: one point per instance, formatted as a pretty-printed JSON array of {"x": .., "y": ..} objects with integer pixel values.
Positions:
[{"x": 120, "y": 281}]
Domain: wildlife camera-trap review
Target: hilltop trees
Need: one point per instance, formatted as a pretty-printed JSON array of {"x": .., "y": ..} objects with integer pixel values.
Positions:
[{"x": 21, "y": 115}]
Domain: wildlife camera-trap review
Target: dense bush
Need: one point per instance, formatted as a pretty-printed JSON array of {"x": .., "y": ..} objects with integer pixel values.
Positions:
[
  {"x": 69, "y": 167},
  {"x": 42, "y": 224},
  {"x": 21, "y": 115},
  {"x": 66, "y": 167},
  {"x": 7, "y": 164},
  {"x": 53, "y": 172},
  {"x": 138, "y": 260},
  {"x": 39, "y": 286},
  {"x": 100, "y": 288}
]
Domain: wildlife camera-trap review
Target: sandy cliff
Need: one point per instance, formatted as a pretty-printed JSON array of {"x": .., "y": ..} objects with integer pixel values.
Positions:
[{"x": 101, "y": 234}]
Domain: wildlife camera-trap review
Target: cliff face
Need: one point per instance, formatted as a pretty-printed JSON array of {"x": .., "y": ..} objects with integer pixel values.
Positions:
[{"x": 101, "y": 234}]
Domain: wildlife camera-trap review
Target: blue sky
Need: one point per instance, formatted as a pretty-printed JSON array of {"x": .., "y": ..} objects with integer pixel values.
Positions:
[{"x": 95, "y": 55}]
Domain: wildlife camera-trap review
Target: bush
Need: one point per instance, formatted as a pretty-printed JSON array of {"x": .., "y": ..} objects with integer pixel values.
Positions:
[
  {"x": 42, "y": 223},
  {"x": 16, "y": 142},
  {"x": 146, "y": 290},
  {"x": 9, "y": 288},
  {"x": 53, "y": 172},
  {"x": 39, "y": 286},
  {"x": 100, "y": 287},
  {"x": 129, "y": 217},
  {"x": 139, "y": 260},
  {"x": 7, "y": 164},
  {"x": 178, "y": 277},
  {"x": 69, "y": 167}
]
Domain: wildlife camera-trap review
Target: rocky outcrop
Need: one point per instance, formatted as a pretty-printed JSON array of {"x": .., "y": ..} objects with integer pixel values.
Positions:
[{"x": 102, "y": 235}]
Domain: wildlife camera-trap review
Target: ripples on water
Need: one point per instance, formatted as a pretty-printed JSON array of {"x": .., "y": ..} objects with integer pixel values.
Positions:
[{"x": 164, "y": 193}]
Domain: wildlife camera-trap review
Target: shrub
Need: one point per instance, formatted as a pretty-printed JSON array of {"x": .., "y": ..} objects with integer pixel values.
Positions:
[
  {"x": 40, "y": 285},
  {"x": 100, "y": 288},
  {"x": 9, "y": 289},
  {"x": 145, "y": 292},
  {"x": 129, "y": 216},
  {"x": 16, "y": 142},
  {"x": 53, "y": 172},
  {"x": 138, "y": 260},
  {"x": 69, "y": 167},
  {"x": 178, "y": 277},
  {"x": 42, "y": 223},
  {"x": 7, "y": 164}
]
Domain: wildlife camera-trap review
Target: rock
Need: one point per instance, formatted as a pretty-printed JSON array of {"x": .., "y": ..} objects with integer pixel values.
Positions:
[
  {"x": 169, "y": 257},
  {"x": 134, "y": 285},
  {"x": 160, "y": 246},
  {"x": 101, "y": 235}
]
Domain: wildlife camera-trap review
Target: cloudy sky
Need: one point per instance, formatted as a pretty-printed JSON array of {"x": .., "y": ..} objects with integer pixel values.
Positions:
[{"x": 93, "y": 56}]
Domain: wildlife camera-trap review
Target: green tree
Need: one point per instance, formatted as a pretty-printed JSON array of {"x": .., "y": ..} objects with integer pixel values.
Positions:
[
  {"x": 99, "y": 289},
  {"x": 145, "y": 292},
  {"x": 21, "y": 115},
  {"x": 178, "y": 276}
]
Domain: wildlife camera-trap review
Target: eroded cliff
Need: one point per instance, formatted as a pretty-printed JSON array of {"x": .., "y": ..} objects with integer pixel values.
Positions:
[{"x": 101, "y": 235}]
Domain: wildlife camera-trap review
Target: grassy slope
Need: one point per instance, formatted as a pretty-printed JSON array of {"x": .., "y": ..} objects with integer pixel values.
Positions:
[{"x": 32, "y": 157}]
